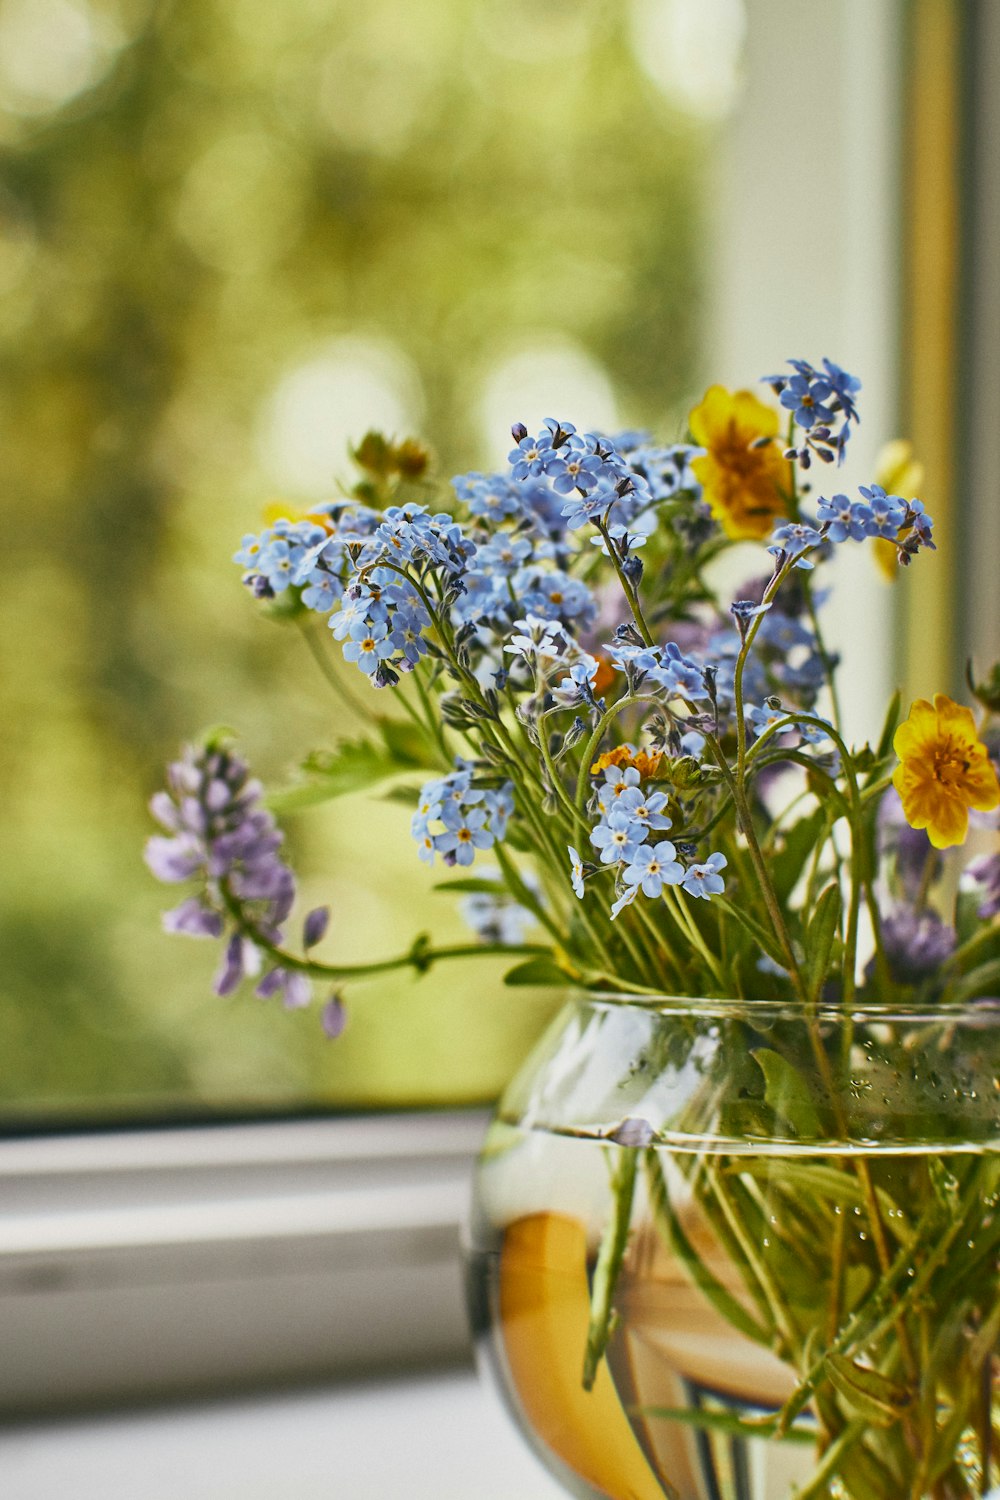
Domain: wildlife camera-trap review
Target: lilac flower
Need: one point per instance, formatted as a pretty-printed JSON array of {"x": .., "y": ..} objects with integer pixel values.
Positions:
[
  {"x": 194, "y": 918},
  {"x": 653, "y": 866},
  {"x": 223, "y": 837},
  {"x": 704, "y": 879},
  {"x": 986, "y": 872},
  {"x": 915, "y": 944},
  {"x": 293, "y": 987},
  {"x": 315, "y": 925},
  {"x": 333, "y": 1017}
]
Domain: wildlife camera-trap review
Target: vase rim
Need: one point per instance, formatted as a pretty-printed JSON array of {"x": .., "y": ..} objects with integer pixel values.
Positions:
[{"x": 981, "y": 1012}]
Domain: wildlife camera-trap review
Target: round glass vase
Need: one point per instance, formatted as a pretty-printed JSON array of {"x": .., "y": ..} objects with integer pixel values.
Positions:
[{"x": 732, "y": 1250}]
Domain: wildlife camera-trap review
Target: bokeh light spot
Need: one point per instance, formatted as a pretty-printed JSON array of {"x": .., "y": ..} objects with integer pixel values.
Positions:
[
  {"x": 544, "y": 378},
  {"x": 692, "y": 50},
  {"x": 327, "y": 402},
  {"x": 50, "y": 50}
]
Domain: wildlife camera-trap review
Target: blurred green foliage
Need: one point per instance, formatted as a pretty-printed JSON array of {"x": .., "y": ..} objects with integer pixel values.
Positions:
[{"x": 199, "y": 199}]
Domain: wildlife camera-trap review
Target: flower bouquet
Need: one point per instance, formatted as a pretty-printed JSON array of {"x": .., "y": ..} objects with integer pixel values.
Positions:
[{"x": 736, "y": 1230}]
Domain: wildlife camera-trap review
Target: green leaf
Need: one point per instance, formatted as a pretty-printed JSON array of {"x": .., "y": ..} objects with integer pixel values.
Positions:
[
  {"x": 669, "y": 1226},
  {"x": 798, "y": 844},
  {"x": 788, "y": 1093},
  {"x": 823, "y": 927},
  {"x": 867, "y": 1392},
  {"x": 355, "y": 765},
  {"x": 405, "y": 743},
  {"x": 716, "y": 1420},
  {"x": 762, "y": 938},
  {"x": 472, "y": 886},
  {"x": 609, "y": 1264},
  {"x": 889, "y": 727},
  {"x": 981, "y": 981},
  {"x": 537, "y": 971}
]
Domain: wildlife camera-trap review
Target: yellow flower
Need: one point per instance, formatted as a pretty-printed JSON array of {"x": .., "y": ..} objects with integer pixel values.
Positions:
[
  {"x": 944, "y": 770},
  {"x": 747, "y": 488},
  {"x": 899, "y": 473}
]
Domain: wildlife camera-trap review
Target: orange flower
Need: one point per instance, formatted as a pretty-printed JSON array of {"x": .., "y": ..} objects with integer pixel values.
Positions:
[
  {"x": 624, "y": 755},
  {"x": 944, "y": 770},
  {"x": 746, "y": 487}
]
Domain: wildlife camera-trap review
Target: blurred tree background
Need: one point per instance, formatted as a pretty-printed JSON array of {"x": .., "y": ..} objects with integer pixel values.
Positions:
[{"x": 233, "y": 235}]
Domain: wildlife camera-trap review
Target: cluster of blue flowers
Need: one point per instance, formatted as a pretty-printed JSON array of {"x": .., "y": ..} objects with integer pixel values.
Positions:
[
  {"x": 455, "y": 818},
  {"x": 599, "y": 484},
  {"x": 905, "y": 523},
  {"x": 381, "y": 623},
  {"x": 273, "y": 559},
  {"x": 221, "y": 835},
  {"x": 665, "y": 670},
  {"x": 818, "y": 401},
  {"x": 622, "y": 837}
]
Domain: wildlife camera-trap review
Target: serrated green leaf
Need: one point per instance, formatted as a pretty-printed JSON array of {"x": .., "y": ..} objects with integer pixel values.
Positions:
[
  {"x": 537, "y": 971},
  {"x": 788, "y": 1093},
  {"x": 820, "y": 934},
  {"x": 868, "y": 1393},
  {"x": 354, "y": 765}
]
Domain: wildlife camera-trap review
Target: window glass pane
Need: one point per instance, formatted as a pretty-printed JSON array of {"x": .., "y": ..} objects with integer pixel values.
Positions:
[{"x": 232, "y": 236}]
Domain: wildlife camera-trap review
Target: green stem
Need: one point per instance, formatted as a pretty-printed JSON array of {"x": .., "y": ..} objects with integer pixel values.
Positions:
[
  {"x": 605, "y": 721},
  {"x": 418, "y": 957},
  {"x": 630, "y": 593},
  {"x": 332, "y": 676}
]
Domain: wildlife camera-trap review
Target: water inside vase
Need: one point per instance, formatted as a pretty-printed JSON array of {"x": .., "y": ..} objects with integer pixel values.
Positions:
[{"x": 780, "y": 1240}]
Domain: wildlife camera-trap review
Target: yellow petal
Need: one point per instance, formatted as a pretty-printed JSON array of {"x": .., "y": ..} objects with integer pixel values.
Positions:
[{"x": 897, "y": 471}]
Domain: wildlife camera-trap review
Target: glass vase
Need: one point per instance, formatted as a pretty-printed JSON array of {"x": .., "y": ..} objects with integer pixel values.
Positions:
[{"x": 731, "y": 1250}]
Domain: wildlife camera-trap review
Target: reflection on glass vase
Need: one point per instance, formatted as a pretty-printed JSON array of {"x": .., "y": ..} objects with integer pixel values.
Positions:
[{"x": 727, "y": 1250}]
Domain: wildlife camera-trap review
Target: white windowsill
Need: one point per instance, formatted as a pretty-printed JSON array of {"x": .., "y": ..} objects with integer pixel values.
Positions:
[
  {"x": 162, "y": 1263},
  {"x": 437, "y": 1437}
]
